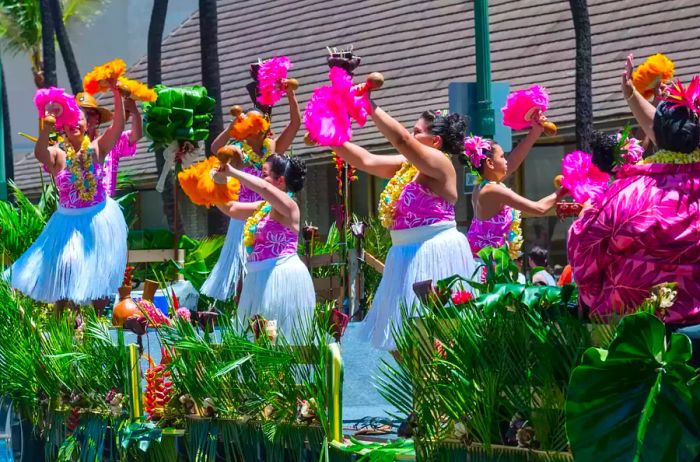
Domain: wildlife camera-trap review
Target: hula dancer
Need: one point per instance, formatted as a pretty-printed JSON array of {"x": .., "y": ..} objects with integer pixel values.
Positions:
[
  {"x": 277, "y": 285},
  {"x": 81, "y": 254},
  {"x": 417, "y": 206},
  {"x": 497, "y": 208}
]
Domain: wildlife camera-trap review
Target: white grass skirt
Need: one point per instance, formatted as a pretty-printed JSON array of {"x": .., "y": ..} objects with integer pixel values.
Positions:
[
  {"x": 79, "y": 256},
  {"x": 223, "y": 279},
  {"x": 281, "y": 289},
  {"x": 428, "y": 252}
]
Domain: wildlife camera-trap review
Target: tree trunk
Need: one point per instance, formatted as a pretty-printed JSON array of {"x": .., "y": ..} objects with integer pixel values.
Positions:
[
  {"x": 584, "y": 74},
  {"x": 9, "y": 158},
  {"x": 155, "y": 42},
  {"x": 209, "y": 50},
  {"x": 76, "y": 82},
  {"x": 47, "y": 45}
]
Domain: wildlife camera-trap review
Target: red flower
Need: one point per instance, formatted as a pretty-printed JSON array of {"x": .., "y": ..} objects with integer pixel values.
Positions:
[{"x": 461, "y": 297}]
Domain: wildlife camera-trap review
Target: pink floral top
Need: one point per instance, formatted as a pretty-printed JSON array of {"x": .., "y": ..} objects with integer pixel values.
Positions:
[
  {"x": 68, "y": 195},
  {"x": 248, "y": 195},
  {"x": 273, "y": 240},
  {"x": 419, "y": 206},
  {"x": 492, "y": 232},
  {"x": 643, "y": 231},
  {"x": 122, "y": 148}
]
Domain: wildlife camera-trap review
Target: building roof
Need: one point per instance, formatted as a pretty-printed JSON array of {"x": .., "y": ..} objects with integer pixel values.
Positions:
[{"x": 422, "y": 46}]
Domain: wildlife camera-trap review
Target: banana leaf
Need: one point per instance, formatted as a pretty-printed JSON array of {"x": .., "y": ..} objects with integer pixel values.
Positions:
[{"x": 638, "y": 400}]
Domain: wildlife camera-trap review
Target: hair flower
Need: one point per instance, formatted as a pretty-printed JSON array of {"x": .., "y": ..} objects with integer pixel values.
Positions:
[{"x": 474, "y": 147}]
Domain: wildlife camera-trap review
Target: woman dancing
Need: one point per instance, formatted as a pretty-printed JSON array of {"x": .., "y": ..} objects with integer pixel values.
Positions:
[
  {"x": 497, "y": 208},
  {"x": 643, "y": 230},
  {"x": 277, "y": 284},
  {"x": 257, "y": 148},
  {"x": 124, "y": 147},
  {"x": 81, "y": 254},
  {"x": 417, "y": 206}
]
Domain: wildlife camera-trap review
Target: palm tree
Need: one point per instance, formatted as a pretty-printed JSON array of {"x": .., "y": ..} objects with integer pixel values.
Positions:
[
  {"x": 584, "y": 73},
  {"x": 20, "y": 30},
  {"x": 21, "y": 26},
  {"x": 7, "y": 131},
  {"x": 48, "y": 48},
  {"x": 209, "y": 51},
  {"x": 155, "y": 41},
  {"x": 76, "y": 82}
]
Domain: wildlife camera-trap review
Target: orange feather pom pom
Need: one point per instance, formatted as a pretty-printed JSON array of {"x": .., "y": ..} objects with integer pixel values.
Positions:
[{"x": 655, "y": 70}]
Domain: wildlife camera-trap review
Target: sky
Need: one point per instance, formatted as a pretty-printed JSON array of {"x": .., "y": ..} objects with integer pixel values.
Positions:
[{"x": 120, "y": 31}]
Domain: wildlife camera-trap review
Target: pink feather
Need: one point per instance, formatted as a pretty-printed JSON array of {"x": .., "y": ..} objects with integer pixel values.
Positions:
[
  {"x": 70, "y": 113},
  {"x": 329, "y": 112},
  {"x": 269, "y": 75},
  {"x": 517, "y": 111},
  {"x": 581, "y": 177}
]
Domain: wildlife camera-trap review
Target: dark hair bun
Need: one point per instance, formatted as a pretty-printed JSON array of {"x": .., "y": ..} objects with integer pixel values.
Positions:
[
  {"x": 603, "y": 150},
  {"x": 291, "y": 168},
  {"x": 676, "y": 129},
  {"x": 451, "y": 129}
]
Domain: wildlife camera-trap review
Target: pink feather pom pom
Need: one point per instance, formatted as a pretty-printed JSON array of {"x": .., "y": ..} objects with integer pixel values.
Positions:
[
  {"x": 517, "y": 112},
  {"x": 270, "y": 73},
  {"x": 329, "y": 112},
  {"x": 69, "y": 112},
  {"x": 581, "y": 177}
]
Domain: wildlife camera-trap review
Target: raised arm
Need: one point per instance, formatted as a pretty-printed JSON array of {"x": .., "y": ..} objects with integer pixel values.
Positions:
[
  {"x": 221, "y": 140},
  {"x": 642, "y": 109},
  {"x": 45, "y": 154},
  {"x": 278, "y": 199},
  {"x": 287, "y": 136},
  {"x": 136, "y": 123},
  {"x": 429, "y": 161},
  {"x": 505, "y": 196},
  {"x": 518, "y": 155},
  {"x": 239, "y": 210},
  {"x": 362, "y": 159},
  {"x": 108, "y": 139}
]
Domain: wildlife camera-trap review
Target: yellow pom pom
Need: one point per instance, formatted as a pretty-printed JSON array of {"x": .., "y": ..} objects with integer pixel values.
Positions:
[{"x": 197, "y": 183}]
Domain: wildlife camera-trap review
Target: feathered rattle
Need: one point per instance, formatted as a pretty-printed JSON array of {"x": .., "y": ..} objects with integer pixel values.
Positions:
[
  {"x": 246, "y": 125},
  {"x": 97, "y": 80},
  {"x": 521, "y": 106},
  {"x": 329, "y": 112},
  {"x": 56, "y": 107},
  {"x": 272, "y": 80},
  {"x": 582, "y": 178},
  {"x": 657, "y": 69},
  {"x": 200, "y": 184}
]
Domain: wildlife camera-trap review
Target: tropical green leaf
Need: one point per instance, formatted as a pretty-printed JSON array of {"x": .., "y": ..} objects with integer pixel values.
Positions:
[{"x": 637, "y": 400}]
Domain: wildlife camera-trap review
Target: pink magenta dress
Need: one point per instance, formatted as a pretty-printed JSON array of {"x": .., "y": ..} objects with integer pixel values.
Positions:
[
  {"x": 81, "y": 253},
  {"x": 643, "y": 231},
  {"x": 277, "y": 284},
  {"x": 425, "y": 245},
  {"x": 122, "y": 149}
]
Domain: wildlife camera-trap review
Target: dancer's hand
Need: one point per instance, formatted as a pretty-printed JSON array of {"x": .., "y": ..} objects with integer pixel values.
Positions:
[
  {"x": 627, "y": 85},
  {"x": 539, "y": 120}
]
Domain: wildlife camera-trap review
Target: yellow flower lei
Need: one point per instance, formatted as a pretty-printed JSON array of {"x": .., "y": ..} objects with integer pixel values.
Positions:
[
  {"x": 393, "y": 190},
  {"x": 515, "y": 236},
  {"x": 390, "y": 195},
  {"x": 82, "y": 169},
  {"x": 251, "y": 226},
  {"x": 252, "y": 157},
  {"x": 671, "y": 157}
]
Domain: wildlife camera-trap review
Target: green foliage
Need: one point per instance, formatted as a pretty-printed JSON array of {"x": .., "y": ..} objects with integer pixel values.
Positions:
[
  {"x": 465, "y": 370},
  {"x": 638, "y": 400},
  {"x": 21, "y": 222}
]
